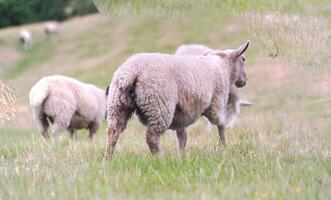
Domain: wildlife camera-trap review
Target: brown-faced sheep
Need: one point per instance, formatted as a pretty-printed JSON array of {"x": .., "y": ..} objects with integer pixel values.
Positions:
[
  {"x": 172, "y": 92},
  {"x": 68, "y": 104}
]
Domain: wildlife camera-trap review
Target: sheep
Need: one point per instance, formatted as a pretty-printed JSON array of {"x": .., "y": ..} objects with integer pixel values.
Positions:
[
  {"x": 25, "y": 39},
  {"x": 172, "y": 92},
  {"x": 234, "y": 101},
  {"x": 51, "y": 29},
  {"x": 67, "y": 104}
]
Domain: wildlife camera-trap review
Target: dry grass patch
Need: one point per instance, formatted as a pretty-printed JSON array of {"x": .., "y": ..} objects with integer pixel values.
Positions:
[
  {"x": 303, "y": 40},
  {"x": 7, "y": 103}
]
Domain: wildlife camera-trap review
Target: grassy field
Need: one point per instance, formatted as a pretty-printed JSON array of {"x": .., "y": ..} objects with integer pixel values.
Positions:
[{"x": 279, "y": 149}]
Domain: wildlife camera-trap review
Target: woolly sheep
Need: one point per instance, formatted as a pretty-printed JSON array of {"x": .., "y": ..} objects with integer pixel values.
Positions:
[
  {"x": 25, "y": 39},
  {"x": 67, "y": 104},
  {"x": 234, "y": 101},
  {"x": 172, "y": 92},
  {"x": 51, "y": 29}
]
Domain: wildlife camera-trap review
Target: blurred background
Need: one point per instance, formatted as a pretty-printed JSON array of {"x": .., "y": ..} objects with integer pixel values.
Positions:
[
  {"x": 279, "y": 149},
  {"x": 18, "y": 12}
]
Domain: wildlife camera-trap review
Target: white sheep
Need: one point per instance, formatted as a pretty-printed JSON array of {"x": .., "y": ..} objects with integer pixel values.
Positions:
[
  {"x": 234, "y": 101},
  {"x": 68, "y": 104},
  {"x": 25, "y": 38},
  {"x": 51, "y": 29},
  {"x": 172, "y": 92}
]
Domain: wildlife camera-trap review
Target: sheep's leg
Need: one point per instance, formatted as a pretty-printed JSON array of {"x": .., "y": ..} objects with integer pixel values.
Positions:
[
  {"x": 113, "y": 136},
  {"x": 116, "y": 125},
  {"x": 153, "y": 141},
  {"x": 93, "y": 129},
  {"x": 221, "y": 128},
  {"x": 91, "y": 134},
  {"x": 182, "y": 137},
  {"x": 71, "y": 133},
  {"x": 221, "y": 134},
  {"x": 43, "y": 125},
  {"x": 208, "y": 124}
]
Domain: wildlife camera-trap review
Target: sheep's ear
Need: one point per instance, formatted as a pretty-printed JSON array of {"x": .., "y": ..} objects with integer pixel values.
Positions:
[
  {"x": 244, "y": 102},
  {"x": 239, "y": 51}
]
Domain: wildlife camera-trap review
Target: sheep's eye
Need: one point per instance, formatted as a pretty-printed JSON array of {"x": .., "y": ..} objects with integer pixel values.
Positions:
[{"x": 244, "y": 59}]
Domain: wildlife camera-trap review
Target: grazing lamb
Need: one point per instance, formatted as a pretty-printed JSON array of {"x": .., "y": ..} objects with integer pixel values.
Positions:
[
  {"x": 234, "y": 101},
  {"x": 25, "y": 39},
  {"x": 51, "y": 29},
  {"x": 68, "y": 104},
  {"x": 172, "y": 92}
]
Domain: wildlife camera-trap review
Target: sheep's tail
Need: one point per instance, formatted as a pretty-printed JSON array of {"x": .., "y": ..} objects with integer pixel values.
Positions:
[
  {"x": 121, "y": 104},
  {"x": 38, "y": 96}
]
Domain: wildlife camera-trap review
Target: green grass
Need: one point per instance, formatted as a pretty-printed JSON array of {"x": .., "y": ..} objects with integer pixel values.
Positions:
[
  {"x": 35, "y": 57},
  {"x": 68, "y": 169},
  {"x": 280, "y": 148}
]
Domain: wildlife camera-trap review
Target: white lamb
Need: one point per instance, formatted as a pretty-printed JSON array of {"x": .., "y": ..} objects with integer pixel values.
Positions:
[
  {"x": 25, "y": 39},
  {"x": 51, "y": 29},
  {"x": 172, "y": 92},
  {"x": 68, "y": 104},
  {"x": 234, "y": 101}
]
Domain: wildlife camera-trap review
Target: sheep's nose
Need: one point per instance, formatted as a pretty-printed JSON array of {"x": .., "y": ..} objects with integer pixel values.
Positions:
[{"x": 240, "y": 83}]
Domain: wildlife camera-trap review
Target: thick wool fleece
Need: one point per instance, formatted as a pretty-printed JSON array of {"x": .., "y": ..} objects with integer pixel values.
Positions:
[
  {"x": 193, "y": 49},
  {"x": 68, "y": 104},
  {"x": 169, "y": 91},
  {"x": 233, "y": 104}
]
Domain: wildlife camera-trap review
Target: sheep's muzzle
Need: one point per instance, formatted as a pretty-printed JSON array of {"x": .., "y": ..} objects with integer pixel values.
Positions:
[{"x": 240, "y": 83}]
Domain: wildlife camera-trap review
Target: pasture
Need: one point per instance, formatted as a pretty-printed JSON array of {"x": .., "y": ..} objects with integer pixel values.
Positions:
[{"x": 279, "y": 149}]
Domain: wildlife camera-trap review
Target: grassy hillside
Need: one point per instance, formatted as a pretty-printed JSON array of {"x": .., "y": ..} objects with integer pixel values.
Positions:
[{"x": 280, "y": 148}]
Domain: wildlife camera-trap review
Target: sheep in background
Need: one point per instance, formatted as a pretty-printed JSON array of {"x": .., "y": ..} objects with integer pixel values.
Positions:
[
  {"x": 234, "y": 101},
  {"x": 172, "y": 92},
  {"x": 67, "y": 104},
  {"x": 25, "y": 39},
  {"x": 51, "y": 29},
  {"x": 193, "y": 49}
]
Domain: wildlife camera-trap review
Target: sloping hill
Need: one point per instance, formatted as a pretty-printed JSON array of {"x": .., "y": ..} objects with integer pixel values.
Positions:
[
  {"x": 91, "y": 48},
  {"x": 279, "y": 149}
]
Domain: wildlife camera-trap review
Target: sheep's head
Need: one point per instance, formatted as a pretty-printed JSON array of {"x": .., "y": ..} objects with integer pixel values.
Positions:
[{"x": 236, "y": 60}]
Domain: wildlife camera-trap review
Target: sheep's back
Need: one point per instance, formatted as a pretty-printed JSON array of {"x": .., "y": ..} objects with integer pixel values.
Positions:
[{"x": 71, "y": 92}]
